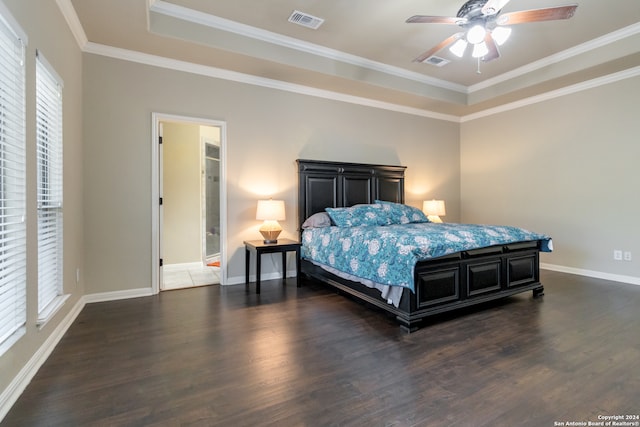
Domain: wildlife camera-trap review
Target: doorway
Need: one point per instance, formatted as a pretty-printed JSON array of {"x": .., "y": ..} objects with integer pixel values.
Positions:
[{"x": 190, "y": 221}]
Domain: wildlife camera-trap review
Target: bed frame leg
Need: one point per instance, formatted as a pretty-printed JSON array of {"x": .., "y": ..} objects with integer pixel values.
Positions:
[
  {"x": 408, "y": 327},
  {"x": 538, "y": 292}
]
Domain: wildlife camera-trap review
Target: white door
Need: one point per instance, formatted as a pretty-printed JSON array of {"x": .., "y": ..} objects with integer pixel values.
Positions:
[{"x": 182, "y": 233}]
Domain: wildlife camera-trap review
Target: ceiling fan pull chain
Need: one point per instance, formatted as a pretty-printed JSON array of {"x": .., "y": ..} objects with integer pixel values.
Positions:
[{"x": 478, "y": 70}]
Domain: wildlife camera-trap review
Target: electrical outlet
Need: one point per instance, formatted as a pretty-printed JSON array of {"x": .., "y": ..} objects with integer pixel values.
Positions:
[
  {"x": 627, "y": 255},
  {"x": 617, "y": 254}
]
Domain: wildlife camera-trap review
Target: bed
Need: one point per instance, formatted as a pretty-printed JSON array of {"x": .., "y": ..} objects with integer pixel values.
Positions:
[{"x": 441, "y": 280}]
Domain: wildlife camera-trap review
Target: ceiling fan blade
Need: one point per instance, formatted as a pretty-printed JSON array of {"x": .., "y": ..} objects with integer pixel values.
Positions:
[
  {"x": 493, "y": 6},
  {"x": 426, "y": 19},
  {"x": 493, "y": 53},
  {"x": 446, "y": 42},
  {"x": 536, "y": 15}
]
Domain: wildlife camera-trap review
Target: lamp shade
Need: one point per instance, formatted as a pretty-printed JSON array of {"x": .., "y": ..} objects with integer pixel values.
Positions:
[
  {"x": 270, "y": 210},
  {"x": 434, "y": 207},
  {"x": 480, "y": 50},
  {"x": 476, "y": 34},
  {"x": 459, "y": 47},
  {"x": 501, "y": 34}
]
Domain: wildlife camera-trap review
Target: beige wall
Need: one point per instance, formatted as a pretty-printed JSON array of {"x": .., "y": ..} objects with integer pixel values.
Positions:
[
  {"x": 267, "y": 130},
  {"x": 63, "y": 54},
  {"x": 182, "y": 181},
  {"x": 567, "y": 167}
]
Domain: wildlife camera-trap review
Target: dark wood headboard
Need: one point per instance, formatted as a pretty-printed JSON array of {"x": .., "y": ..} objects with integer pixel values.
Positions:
[{"x": 323, "y": 184}]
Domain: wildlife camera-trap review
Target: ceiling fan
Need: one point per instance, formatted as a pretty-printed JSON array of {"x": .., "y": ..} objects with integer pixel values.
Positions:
[{"x": 485, "y": 28}]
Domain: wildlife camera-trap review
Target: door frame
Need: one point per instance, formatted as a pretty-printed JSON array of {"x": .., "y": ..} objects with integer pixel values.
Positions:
[{"x": 156, "y": 192}]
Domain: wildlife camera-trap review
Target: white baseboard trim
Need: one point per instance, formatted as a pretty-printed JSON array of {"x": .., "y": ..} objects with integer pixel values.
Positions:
[
  {"x": 590, "y": 273},
  {"x": 117, "y": 295},
  {"x": 11, "y": 394},
  {"x": 238, "y": 280}
]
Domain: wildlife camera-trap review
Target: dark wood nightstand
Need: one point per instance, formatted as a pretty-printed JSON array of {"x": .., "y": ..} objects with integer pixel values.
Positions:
[{"x": 283, "y": 246}]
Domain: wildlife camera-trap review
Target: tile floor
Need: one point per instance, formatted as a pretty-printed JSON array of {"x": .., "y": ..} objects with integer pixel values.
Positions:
[{"x": 177, "y": 277}]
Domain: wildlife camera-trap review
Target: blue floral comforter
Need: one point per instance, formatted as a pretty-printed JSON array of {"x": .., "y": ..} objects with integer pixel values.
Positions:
[{"x": 388, "y": 254}]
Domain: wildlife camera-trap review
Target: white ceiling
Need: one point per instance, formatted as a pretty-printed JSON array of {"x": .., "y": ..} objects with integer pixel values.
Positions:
[{"x": 365, "y": 49}]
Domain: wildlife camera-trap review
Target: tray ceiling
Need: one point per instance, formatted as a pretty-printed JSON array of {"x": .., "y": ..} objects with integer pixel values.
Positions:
[{"x": 364, "y": 48}]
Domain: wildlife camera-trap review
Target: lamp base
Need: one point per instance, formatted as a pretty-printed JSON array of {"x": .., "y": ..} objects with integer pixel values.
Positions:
[
  {"x": 270, "y": 233},
  {"x": 270, "y": 236},
  {"x": 434, "y": 218}
]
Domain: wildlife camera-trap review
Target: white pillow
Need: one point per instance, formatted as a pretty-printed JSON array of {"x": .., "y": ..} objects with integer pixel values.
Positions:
[{"x": 317, "y": 220}]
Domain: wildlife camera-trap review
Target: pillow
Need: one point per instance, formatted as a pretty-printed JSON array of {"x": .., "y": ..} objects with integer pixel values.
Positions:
[
  {"x": 317, "y": 220},
  {"x": 402, "y": 214},
  {"x": 358, "y": 215}
]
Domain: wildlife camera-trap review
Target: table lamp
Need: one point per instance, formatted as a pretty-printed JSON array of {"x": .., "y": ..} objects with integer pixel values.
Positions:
[
  {"x": 434, "y": 209},
  {"x": 271, "y": 211}
]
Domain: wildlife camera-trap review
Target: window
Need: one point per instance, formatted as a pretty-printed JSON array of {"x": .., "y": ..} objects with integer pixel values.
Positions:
[
  {"x": 49, "y": 153},
  {"x": 13, "y": 257}
]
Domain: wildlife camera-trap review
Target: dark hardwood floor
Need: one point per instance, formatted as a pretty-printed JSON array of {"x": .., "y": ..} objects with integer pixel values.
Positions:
[{"x": 218, "y": 356}]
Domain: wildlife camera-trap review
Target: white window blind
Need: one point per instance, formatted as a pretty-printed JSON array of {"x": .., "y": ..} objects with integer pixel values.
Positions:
[
  {"x": 49, "y": 152},
  {"x": 12, "y": 184}
]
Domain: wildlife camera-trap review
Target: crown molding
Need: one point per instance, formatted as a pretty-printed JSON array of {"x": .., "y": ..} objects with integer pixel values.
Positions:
[
  {"x": 190, "y": 15},
  {"x": 70, "y": 15},
  {"x": 157, "y": 61},
  {"x": 196, "y": 17},
  {"x": 578, "y": 87},
  {"x": 219, "y": 73},
  {"x": 596, "y": 43}
]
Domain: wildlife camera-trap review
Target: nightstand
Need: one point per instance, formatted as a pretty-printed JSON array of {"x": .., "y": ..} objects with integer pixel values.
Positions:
[{"x": 283, "y": 246}]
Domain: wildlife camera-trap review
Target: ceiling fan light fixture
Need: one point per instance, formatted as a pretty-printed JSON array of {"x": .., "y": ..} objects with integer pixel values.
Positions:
[
  {"x": 500, "y": 35},
  {"x": 485, "y": 27},
  {"x": 476, "y": 34},
  {"x": 459, "y": 48},
  {"x": 480, "y": 50}
]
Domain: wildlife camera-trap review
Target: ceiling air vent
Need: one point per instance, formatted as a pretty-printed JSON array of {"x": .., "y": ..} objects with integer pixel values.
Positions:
[
  {"x": 436, "y": 60},
  {"x": 305, "y": 19}
]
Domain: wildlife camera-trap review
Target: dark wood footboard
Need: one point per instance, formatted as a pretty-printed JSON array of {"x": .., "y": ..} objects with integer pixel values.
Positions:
[{"x": 453, "y": 282}]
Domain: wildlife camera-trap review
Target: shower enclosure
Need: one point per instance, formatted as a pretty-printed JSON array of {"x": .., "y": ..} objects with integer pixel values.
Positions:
[{"x": 212, "y": 202}]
